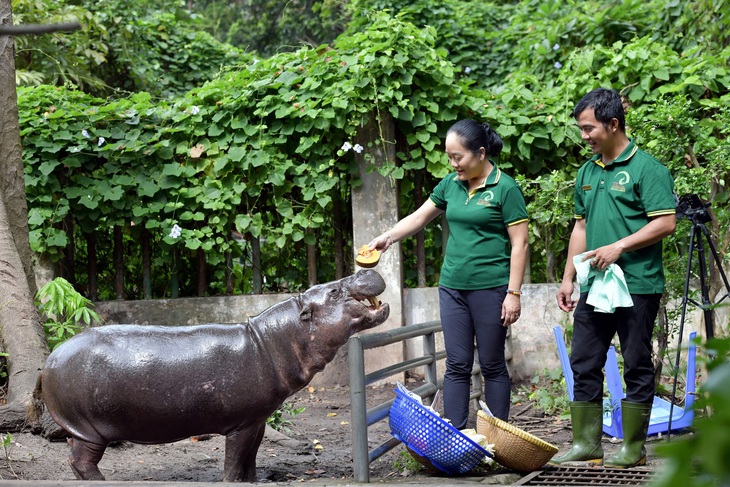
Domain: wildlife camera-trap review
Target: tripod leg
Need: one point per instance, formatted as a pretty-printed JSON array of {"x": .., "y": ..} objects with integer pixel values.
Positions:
[
  {"x": 718, "y": 262},
  {"x": 685, "y": 297},
  {"x": 704, "y": 288}
]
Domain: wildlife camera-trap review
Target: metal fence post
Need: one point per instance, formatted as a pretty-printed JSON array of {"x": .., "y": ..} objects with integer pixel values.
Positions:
[
  {"x": 358, "y": 420},
  {"x": 429, "y": 350}
]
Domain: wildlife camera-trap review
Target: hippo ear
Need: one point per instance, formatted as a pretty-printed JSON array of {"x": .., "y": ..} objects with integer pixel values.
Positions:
[{"x": 305, "y": 314}]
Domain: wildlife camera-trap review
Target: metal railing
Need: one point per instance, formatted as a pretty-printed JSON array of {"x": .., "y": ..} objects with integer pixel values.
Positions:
[{"x": 362, "y": 417}]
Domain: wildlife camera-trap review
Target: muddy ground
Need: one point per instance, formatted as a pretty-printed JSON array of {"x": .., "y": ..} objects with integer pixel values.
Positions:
[{"x": 322, "y": 447}]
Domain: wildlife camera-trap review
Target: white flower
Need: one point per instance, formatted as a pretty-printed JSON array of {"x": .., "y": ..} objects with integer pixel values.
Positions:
[
  {"x": 467, "y": 70},
  {"x": 358, "y": 148},
  {"x": 194, "y": 110},
  {"x": 176, "y": 231},
  {"x": 85, "y": 133},
  {"x": 101, "y": 141},
  {"x": 558, "y": 65},
  {"x": 556, "y": 47},
  {"x": 346, "y": 146}
]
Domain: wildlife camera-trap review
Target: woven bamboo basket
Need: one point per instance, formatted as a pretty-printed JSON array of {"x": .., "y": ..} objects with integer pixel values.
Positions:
[{"x": 514, "y": 448}]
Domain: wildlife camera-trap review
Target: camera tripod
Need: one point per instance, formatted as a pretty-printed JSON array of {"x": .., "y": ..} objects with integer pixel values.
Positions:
[{"x": 696, "y": 244}]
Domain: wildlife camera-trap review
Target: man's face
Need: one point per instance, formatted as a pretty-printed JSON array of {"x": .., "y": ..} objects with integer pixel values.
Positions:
[{"x": 599, "y": 137}]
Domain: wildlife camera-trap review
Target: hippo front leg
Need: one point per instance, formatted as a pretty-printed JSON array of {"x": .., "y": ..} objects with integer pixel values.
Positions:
[
  {"x": 241, "y": 449},
  {"x": 84, "y": 459}
]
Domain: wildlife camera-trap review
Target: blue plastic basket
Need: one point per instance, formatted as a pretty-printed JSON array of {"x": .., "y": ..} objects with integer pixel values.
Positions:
[{"x": 432, "y": 438}]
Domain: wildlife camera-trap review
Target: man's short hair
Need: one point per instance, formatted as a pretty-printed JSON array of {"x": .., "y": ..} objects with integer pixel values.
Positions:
[{"x": 606, "y": 104}]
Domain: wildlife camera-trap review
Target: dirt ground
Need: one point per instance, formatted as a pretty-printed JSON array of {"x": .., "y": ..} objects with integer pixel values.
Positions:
[{"x": 322, "y": 447}]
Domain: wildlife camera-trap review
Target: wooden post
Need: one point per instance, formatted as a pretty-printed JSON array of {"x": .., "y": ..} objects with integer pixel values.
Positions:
[
  {"x": 118, "y": 263},
  {"x": 91, "y": 266},
  {"x": 420, "y": 238},
  {"x": 174, "y": 281},
  {"x": 256, "y": 264},
  {"x": 147, "y": 263},
  {"x": 69, "y": 269},
  {"x": 337, "y": 225},
  {"x": 202, "y": 281},
  {"x": 311, "y": 261},
  {"x": 229, "y": 273}
]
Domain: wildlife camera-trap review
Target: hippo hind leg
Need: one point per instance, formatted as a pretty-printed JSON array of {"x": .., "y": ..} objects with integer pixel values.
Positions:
[
  {"x": 241, "y": 449},
  {"x": 84, "y": 459}
]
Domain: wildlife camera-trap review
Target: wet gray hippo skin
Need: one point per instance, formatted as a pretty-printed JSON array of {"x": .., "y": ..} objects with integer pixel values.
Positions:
[{"x": 158, "y": 384}]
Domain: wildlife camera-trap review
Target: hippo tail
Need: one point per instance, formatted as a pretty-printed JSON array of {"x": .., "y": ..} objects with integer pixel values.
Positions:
[{"x": 35, "y": 406}]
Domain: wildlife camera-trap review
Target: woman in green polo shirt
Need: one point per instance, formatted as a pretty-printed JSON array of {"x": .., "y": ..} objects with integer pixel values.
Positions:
[{"x": 486, "y": 254}]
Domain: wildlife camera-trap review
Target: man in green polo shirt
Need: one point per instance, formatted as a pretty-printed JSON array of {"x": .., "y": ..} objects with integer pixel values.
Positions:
[{"x": 624, "y": 207}]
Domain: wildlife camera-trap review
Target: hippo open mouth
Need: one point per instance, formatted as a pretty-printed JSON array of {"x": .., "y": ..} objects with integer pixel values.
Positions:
[
  {"x": 365, "y": 286},
  {"x": 372, "y": 303}
]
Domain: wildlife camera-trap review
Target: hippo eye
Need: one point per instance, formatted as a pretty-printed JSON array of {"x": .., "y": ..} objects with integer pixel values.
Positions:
[{"x": 334, "y": 292}]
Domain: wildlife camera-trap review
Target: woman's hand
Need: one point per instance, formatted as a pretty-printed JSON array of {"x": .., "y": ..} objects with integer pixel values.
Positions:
[
  {"x": 381, "y": 242},
  {"x": 511, "y": 309}
]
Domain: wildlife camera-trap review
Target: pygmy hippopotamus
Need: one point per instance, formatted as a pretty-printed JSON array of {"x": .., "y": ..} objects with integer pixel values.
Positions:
[{"x": 159, "y": 384}]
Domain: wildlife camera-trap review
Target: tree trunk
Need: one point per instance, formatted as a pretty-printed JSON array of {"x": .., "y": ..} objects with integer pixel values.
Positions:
[{"x": 21, "y": 332}]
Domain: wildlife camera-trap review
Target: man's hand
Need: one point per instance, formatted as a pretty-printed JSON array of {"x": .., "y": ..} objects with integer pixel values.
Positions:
[
  {"x": 605, "y": 256},
  {"x": 565, "y": 293}
]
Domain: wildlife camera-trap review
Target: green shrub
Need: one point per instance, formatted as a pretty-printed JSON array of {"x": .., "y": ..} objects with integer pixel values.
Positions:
[{"x": 65, "y": 311}]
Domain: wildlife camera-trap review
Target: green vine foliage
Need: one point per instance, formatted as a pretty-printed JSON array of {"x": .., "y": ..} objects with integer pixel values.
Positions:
[
  {"x": 260, "y": 149},
  {"x": 122, "y": 46},
  {"x": 165, "y": 56},
  {"x": 56, "y": 59}
]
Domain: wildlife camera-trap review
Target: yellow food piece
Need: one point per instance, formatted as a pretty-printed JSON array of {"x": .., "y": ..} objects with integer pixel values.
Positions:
[{"x": 366, "y": 257}]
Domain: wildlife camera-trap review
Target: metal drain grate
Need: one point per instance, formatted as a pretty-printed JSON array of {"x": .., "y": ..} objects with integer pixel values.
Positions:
[{"x": 587, "y": 476}]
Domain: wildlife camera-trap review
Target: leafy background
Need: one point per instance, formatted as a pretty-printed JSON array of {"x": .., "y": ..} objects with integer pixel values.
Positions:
[{"x": 230, "y": 123}]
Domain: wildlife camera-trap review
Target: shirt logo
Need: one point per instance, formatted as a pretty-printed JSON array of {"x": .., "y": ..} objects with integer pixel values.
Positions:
[
  {"x": 620, "y": 182},
  {"x": 586, "y": 187},
  {"x": 485, "y": 199}
]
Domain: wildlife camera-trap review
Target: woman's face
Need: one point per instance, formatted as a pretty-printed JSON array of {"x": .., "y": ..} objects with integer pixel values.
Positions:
[{"x": 467, "y": 164}]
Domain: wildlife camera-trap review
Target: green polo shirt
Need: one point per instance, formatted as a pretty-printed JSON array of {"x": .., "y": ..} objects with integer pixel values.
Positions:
[
  {"x": 478, "y": 250},
  {"x": 617, "y": 200}
]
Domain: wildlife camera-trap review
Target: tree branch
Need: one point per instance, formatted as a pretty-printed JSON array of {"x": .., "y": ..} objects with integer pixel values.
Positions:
[{"x": 26, "y": 29}]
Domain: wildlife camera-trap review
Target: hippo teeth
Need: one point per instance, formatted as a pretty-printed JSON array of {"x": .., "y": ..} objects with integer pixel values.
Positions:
[{"x": 375, "y": 302}]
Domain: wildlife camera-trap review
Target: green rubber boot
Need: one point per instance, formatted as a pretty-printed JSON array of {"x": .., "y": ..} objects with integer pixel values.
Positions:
[
  {"x": 587, "y": 418},
  {"x": 635, "y": 417}
]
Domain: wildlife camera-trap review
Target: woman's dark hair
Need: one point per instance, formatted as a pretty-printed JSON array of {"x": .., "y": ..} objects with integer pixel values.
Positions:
[
  {"x": 606, "y": 105},
  {"x": 475, "y": 135}
]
